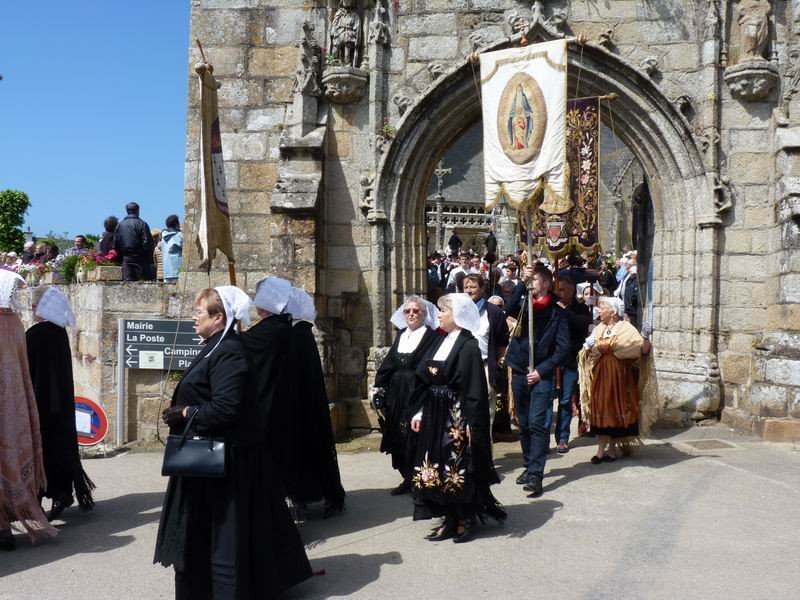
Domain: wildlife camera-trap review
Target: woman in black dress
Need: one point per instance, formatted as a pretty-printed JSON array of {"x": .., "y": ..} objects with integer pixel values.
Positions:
[
  {"x": 299, "y": 429},
  {"x": 50, "y": 363},
  {"x": 229, "y": 537},
  {"x": 417, "y": 321},
  {"x": 453, "y": 466}
]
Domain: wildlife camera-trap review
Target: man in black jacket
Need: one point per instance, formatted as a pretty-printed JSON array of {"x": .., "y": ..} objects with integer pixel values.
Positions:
[
  {"x": 578, "y": 317},
  {"x": 533, "y": 389},
  {"x": 493, "y": 335},
  {"x": 134, "y": 243}
]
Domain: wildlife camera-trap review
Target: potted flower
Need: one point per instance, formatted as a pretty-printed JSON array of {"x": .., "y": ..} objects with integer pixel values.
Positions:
[
  {"x": 31, "y": 273},
  {"x": 108, "y": 267},
  {"x": 68, "y": 267},
  {"x": 87, "y": 267}
]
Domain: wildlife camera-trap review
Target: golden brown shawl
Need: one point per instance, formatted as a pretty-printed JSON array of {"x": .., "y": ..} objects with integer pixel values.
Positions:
[
  {"x": 22, "y": 476},
  {"x": 627, "y": 346}
]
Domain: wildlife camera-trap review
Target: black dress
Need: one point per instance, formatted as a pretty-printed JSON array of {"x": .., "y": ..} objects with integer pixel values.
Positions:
[
  {"x": 299, "y": 428},
  {"x": 50, "y": 362},
  {"x": 232, "y": 537},
  {"x": 452, "y": 476},
  {"x": 397, "y": 376}
]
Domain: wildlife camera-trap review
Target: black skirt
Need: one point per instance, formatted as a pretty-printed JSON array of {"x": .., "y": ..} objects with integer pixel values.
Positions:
[
  {"x": 396, "y": 437},
  {"x": 239, "y": 522}
]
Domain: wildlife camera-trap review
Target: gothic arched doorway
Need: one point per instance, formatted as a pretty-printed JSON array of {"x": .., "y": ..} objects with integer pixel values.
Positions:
[{"x": 685, "y": 268}]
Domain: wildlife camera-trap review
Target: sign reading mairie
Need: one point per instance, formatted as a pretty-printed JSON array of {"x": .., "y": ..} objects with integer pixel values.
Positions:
[{"x": 160, "y": 344}]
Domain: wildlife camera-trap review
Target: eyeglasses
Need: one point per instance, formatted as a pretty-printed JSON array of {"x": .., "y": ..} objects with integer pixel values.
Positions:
[
  {"x": 412, "y": 311},
  {"x": 198, "y": 312}
]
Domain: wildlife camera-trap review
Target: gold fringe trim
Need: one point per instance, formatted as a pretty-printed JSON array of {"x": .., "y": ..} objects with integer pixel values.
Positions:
[{"x": 526, "y": 57}]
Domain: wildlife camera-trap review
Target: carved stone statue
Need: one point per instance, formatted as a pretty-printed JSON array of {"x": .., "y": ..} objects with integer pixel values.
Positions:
[
  {"x": 378, "y": 29},
  {"x": 346, "y": 41},
  {"x": 532, "y": 23},
  {"x": 753, "y": 29},
  {"x": 306, "y": 77}
]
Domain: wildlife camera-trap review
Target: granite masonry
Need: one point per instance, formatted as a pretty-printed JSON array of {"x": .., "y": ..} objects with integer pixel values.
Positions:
[{"x": 335, "y": 115}]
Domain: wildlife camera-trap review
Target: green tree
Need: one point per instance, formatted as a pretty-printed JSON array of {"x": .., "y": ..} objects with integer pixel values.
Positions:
[{"x": 14, "y": 206}]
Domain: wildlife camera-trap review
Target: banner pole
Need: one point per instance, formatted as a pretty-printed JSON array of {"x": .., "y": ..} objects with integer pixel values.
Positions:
[{"x": 531, "y": 325}]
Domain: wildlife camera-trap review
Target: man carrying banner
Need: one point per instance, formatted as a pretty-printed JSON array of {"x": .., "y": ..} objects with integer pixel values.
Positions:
[{"x": 533, "y": 389}]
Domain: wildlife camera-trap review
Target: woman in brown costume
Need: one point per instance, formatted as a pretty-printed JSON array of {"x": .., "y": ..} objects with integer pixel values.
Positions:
[
  {"x": 616, "y": 382},
  {"x": 22, "y": 477}
]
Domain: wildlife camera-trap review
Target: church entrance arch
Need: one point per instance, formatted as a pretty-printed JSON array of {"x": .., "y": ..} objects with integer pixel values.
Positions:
[{"x": 684, "y": 251}]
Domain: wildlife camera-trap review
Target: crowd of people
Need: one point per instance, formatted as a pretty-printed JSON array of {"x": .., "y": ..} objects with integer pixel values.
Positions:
[
  {"x": 462, "y": 370},
  {"x": 144, "y": 254},
  {"x": 438, "y": 392}
]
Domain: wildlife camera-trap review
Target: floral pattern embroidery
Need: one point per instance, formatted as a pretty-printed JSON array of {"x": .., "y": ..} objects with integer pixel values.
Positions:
[{"x": 427, "y": 475}]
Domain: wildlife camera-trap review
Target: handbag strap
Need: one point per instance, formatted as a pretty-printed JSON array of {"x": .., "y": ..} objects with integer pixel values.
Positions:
[{"x": 188, "y": 426}]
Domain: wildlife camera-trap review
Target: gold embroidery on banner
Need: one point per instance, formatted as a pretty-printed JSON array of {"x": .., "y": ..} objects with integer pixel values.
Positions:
[
  {"x": 512, "y": 59},
  {"x": 521, "y": 119}
]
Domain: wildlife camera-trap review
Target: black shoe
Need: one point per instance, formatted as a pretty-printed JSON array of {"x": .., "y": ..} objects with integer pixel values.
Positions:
[
  {"x": 608, "y": 458},
  {"x": 445, "y": 532},
  {"x": 523, "y": 478},
  {"x": 533, "y": 486},
  {"x": 563, "y": 448},
  {"x": 8, "y": 543},
  {"x": 59, "y": 506},
  {"x": 596, "y": 460},
  {"x": 401, "y": 489},
  {"x": 460, "y": 538}
]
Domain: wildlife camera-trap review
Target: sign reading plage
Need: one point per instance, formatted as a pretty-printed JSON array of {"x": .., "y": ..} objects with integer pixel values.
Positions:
[{"x": 524, "y": 93}]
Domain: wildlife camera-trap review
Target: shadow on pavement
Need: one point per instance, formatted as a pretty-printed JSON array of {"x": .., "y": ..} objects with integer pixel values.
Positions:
[
  {"x": 654, "y": 456},
  {"x": 86, "y": 532},
  {"x": 345, "y": 575},
  {"x": 364, "y": 509}
]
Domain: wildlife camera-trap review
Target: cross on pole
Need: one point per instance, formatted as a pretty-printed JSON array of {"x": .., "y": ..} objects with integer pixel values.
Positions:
[{"x": 440, "y": 173}]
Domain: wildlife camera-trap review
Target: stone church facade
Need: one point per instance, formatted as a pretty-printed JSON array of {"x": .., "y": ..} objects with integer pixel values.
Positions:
[{"x": 335, "y": 115}]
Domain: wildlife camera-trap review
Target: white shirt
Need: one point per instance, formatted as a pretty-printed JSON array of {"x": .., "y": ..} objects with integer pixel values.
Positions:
[
  {"x": 441, "y": 354},
  {"x": 483, "y": 335},
  {"x": 451, "y": 280},
  {"x": 409, "y": 340},
  {"x": 447, "y": 345}
]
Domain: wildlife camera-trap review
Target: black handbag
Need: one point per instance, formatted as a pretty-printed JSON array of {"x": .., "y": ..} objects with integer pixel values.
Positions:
[{"x": 193, "y": 456}]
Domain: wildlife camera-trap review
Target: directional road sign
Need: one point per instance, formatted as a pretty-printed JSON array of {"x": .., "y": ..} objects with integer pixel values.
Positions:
[{"x": 160, "y": 344}]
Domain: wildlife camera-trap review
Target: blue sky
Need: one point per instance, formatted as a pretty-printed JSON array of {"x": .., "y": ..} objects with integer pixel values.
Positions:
[{"x": 93, "y": 109}]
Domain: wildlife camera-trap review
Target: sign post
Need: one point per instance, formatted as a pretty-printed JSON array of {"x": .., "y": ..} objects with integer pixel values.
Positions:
[{"x": 160, "y": 344}]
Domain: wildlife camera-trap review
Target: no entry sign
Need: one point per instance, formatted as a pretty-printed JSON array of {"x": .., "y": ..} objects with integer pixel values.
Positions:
[
  {"x": 91, "y": 423},
  {"x": 159, "y": 344}
]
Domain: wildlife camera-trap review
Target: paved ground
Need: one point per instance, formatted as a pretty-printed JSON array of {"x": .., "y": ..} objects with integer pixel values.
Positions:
[{"x": 675, "y": 522}]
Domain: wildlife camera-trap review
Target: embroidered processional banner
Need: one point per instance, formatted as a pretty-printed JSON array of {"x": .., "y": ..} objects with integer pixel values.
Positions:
[
  {"x": 524, "y": 127},
  {"x": 578, "y": 229},
  {"x": 214, "y": 229}
]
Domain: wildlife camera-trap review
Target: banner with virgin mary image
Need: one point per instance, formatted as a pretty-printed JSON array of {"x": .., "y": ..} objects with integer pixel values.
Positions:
[{"x": 524, "y": 93}]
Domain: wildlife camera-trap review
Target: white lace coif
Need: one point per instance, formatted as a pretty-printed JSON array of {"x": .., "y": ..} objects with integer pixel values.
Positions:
[
  {"x": 465, "y": 313},
  {"x": 615, "y": 303},
  {"x": 9, "y": 281},
  {"x": 237, "y": 306},
  {"x": 273, "y": 294},
  {"x": 54, "y": 307},
  {"x": 301, "y": 306},
  {"x": 431, "y": 319}
]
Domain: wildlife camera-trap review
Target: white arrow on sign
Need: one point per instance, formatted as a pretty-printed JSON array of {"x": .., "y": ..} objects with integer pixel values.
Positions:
[
  {"x": 128, "y": 362},
  {"x": 197, "y": 339},
  {"x": 130, "y": 350}
]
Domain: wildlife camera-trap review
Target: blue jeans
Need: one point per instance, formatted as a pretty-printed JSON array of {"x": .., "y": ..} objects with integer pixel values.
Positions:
[
  {"x": 531, "y": 407},
  {"x": 569, "y": 384}
]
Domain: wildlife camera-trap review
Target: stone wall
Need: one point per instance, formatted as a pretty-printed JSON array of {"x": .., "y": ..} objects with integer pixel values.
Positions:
[
  {"x": 722, "y": 167},
  {"x": 97, "y": 308}
]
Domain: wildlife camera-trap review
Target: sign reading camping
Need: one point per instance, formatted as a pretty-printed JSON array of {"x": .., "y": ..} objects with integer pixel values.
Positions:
[{"x": 160, "y": 344}]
